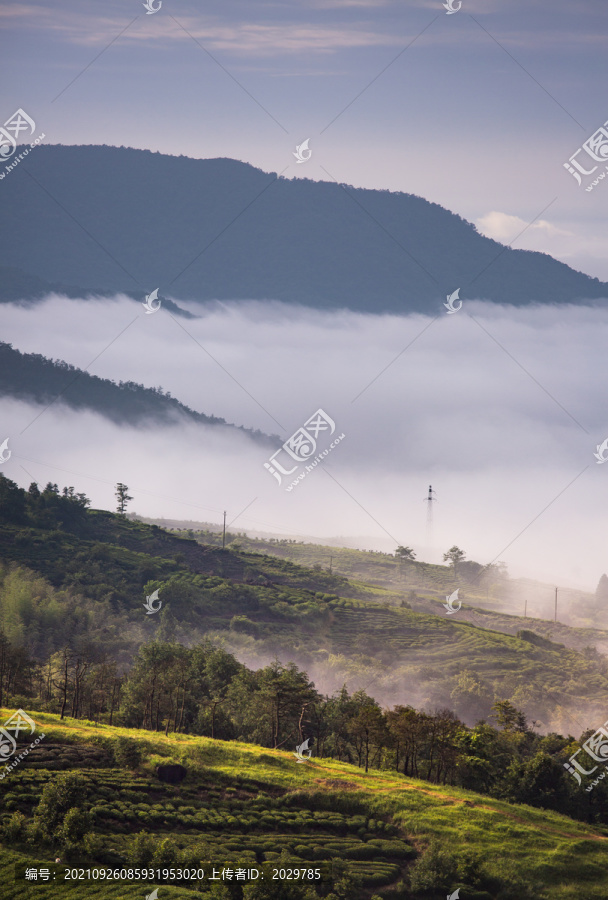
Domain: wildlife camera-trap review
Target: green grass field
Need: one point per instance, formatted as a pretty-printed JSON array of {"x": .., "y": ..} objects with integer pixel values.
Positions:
[{"x": 242, "y": 804}]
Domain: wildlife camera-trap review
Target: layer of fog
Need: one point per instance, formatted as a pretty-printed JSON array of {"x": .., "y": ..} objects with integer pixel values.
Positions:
[
  {"x": 499, "y": 408},
  {"x": 408, "y": 679}
]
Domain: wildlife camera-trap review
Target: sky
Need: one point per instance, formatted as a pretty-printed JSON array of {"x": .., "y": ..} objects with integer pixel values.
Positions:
[
  {"x": 476, "y": 110},
  {"x": 479, "y": 110}
]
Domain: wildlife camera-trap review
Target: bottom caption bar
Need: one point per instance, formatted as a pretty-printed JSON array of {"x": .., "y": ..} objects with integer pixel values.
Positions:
[{"x": 41, "y": 874}]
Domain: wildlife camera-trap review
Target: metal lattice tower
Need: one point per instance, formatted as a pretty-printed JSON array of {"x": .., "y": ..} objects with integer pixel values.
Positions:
[{"x": 429, "y": 500}]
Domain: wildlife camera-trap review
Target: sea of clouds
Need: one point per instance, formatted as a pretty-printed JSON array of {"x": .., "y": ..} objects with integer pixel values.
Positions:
[{"x": 499, "y": 408}]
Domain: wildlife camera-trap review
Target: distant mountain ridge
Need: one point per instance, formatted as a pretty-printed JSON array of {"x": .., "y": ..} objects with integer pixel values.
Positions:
[
  {"x": 32, "y": 377},
  {"x": 119, "y": 219},
  {"x": 17, "y": 286}
]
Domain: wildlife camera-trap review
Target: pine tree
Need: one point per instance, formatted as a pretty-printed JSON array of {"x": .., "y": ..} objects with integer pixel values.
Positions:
[
  {"x": 123, "y": 497},
  {"x": 601, "y": 591}
]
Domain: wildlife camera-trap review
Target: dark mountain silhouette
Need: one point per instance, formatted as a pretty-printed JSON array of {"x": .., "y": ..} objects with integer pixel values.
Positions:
[
  {"x": 17, "y": 286},
  {"x": 33, "y": 377},
  {"x": 120, "y": 219}
]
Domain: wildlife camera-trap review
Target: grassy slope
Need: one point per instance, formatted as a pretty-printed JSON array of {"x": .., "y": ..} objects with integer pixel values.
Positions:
[
  {"x": 426, "y": 579},
  {"x": 379, "y": 576},
  {"x": 347, "y": 634},
  {"x": 566, "y": 859}
]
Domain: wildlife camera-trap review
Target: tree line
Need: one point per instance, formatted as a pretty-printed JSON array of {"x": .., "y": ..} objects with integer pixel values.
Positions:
[{"x": 204, "y": 690}]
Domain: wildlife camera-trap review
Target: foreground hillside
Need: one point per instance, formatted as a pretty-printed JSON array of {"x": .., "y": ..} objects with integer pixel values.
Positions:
[{"x": 377, "y": 834}]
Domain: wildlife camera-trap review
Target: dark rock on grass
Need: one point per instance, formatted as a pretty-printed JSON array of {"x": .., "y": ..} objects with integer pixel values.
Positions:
[{"x": 171, "y": 774}]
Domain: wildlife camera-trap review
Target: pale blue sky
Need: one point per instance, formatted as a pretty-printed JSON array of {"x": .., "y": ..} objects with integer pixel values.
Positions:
[{"x": 479, "y": 113}]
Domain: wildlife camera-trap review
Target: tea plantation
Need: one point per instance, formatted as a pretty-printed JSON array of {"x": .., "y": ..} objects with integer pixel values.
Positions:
[{"x": 375, "y": 835}]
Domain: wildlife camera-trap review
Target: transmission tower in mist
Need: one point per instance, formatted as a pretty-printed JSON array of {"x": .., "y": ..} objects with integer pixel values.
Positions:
[{"x": 429, "y": 500}]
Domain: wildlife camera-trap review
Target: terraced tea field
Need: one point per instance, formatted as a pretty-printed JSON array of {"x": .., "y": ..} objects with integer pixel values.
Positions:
[{"x": 244, "y": 805}]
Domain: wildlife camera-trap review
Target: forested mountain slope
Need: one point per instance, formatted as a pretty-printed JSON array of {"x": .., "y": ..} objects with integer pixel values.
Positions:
[
  {"x": 205, "y": 229},
  {"x": 33, "y": 377}
]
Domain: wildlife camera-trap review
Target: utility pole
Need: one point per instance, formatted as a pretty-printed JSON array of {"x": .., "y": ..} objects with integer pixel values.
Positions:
[
  {"x": 224, "y": 535},
  {"x": 331, "y": 559},
  {"x": 555, "y": 615},
  {"x": 526, "y": 607}
]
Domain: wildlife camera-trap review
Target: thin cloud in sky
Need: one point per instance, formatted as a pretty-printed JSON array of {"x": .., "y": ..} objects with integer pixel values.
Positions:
[
  {"x": 254, "y": 37},
  {"x": 285, "y": 30},
  {"x": 580, "y": 249},
  {"x": 347, "y": 4},
  {"x": 505, "y": 228}
]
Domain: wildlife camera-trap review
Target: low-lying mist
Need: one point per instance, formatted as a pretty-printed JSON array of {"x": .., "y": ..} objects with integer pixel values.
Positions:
[{"x": 499, "y": 408}]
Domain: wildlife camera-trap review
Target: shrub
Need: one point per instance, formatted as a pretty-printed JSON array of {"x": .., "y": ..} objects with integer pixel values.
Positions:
[
  {"x": 58, "y": 797},
  {"x": 165, "y": 854},
  {"x": 363, "y": 851},
  {"x": 220, "y": 892},
  {"x": 99, "y": 812},
  {"x": 140, "y": 850},
  {"x": 345, "y": 884},
  {"x": 398, "y": 849},
  {"x": 14, "y": 828},
  {"x": 436, "y": 869},
  {"x": 93, "y": 844},
  {"x": 34, "y": 833},
  {"x": 379, "y": 876},
  {"x": 193, "y": 856},
  {"x": 127, "y": 753},
  {"x": 244, "y": 625},
  {"x": 470, "y": 869},
  {"x": 75, "y": 825}
]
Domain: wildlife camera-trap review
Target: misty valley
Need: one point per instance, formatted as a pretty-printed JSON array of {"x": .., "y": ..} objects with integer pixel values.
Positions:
[{"x": 303, "y": 575}]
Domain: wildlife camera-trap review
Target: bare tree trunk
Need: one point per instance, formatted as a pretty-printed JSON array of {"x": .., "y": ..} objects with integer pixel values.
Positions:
[
  {"x": 76, "y": 686},
  {"x": 65, "y": 684},
  {"x": 3, "y": 655},
  {"x": 181, "y": 712},
  {"x": 176, "y": 709},
  {"x": 49, "y": 682},
  {"x": 169, "y": 716},
  {"x": 300, "y": 723},
  {"x": 114, "y": 691}
]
